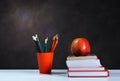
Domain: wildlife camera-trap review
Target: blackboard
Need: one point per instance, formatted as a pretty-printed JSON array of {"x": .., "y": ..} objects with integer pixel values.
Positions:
[{"x": 96, "y": 20}]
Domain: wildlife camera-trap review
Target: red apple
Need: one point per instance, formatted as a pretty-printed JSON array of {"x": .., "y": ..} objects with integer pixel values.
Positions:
[{"x": 80, "y": 47}]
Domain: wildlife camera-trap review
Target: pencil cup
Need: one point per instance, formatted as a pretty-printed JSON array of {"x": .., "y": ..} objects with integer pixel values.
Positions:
[{"x": 45, "y": 62}]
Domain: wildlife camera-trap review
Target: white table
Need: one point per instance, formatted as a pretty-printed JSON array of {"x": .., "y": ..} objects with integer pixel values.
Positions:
[{"x": 57, "y": 75}]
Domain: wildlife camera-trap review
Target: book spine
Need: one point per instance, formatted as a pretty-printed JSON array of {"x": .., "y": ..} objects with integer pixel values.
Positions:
[
  {"x": 77, "y": 58},
  {"x": 88, "y": 71},
  {"x": 88, "y": 76},
  {"x": 83, "y": 63},
  {"x": 87, "y": 68}
]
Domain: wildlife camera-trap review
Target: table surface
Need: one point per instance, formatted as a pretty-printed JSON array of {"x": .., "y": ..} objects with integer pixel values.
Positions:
[{"x": 57, "y": 75}]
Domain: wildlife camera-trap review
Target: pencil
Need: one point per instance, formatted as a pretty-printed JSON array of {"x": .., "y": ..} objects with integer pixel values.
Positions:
[
  {"x": 55, "y": 42},
  {"x": 46, "y": 46},
  {"x": 35, "y": 41},
  {"x": 39, "y": 44}
]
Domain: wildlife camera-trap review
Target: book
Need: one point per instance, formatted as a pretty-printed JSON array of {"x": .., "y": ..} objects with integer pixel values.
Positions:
[
  {"x": 82, "y": 57},
  {"x": 86, "y": 68},
  {"x": 83, "y": 63},
  {"x": 91, "y": 73}
]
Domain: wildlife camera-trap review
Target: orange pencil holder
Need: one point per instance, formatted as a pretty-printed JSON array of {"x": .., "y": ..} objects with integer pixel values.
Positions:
[{"x": 45, "y": 60}]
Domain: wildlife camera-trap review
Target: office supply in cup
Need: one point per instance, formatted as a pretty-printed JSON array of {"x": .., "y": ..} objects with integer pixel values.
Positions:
[
  {"x": 45, "y": 56},
  {"x": 45, "y": 49},
  {"x": 38, "y": 43},
  {"x": 45, "y": 45},
  {"x": 35, "y": 41},
  {"x": 55, "y": 42}
]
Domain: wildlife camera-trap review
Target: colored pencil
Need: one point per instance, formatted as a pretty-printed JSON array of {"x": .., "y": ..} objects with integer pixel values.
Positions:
[
  {"x": 55, "y": 42},
  {"x": 38, "y": 43},
  {"x": 46, "y": 46},
  {"x": 35, "y": 41}
]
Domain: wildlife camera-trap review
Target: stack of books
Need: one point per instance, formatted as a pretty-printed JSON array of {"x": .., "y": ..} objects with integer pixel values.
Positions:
[{"x": 85, "y": 66}]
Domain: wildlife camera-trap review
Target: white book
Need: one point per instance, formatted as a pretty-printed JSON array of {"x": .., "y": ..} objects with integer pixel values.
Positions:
[
  {"x": 87, "y": 68},
  {"x": 83, "y": 63},
  {"x": 88, "y": 73}
]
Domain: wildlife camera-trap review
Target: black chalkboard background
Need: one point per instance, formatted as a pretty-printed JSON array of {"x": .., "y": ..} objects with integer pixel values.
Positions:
[{"x": 97, "y": 20}]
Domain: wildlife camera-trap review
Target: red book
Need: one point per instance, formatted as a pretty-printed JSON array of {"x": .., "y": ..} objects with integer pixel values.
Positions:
[{"x": 88, "y": 73}]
